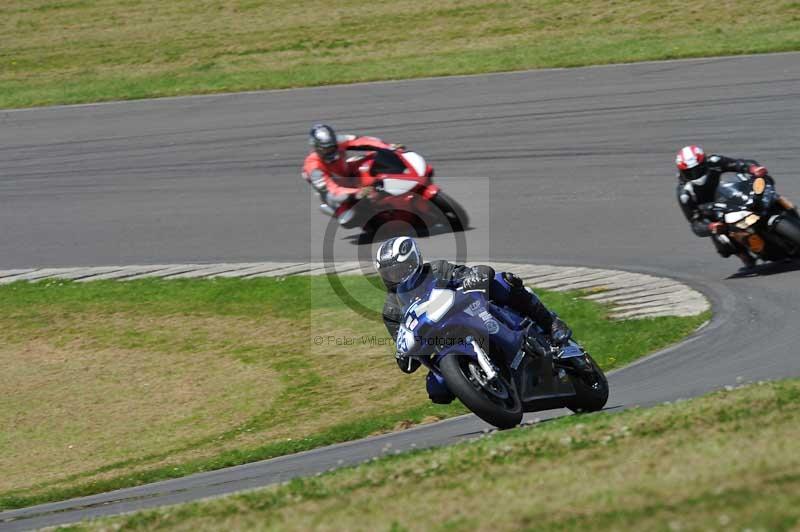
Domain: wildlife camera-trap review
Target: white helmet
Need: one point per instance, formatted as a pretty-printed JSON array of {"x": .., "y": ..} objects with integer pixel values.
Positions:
[
  {"x": 324, "y": 141},
  {"x": 398, "y": 260}
]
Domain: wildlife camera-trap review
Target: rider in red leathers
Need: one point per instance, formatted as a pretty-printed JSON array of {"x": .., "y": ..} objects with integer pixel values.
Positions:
[{"x": 334, "y": 178}]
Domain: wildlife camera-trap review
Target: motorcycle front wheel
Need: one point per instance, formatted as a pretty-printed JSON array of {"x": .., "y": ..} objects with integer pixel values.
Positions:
[
  {"x": 789, "y": 229},
  {"x": 495, "y": 402},
  {"x": 452, "y": 211},
  {"x": 591, "y": 388}
]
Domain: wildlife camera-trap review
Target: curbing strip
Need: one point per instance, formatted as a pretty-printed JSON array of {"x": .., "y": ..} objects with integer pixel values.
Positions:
[{"x": 630, "y": 295}]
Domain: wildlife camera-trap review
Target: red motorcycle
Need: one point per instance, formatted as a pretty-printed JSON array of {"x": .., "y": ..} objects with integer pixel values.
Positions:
[{"x": 398, "y": 185}]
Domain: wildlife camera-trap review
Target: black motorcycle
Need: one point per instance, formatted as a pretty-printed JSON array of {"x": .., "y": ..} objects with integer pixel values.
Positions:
[{"x": 756, "y": 217}]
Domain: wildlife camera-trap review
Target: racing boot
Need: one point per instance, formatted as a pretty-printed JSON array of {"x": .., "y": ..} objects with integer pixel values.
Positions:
[
  {"x": 559, "y": 332},
  {"x": 523, "y": 300}
]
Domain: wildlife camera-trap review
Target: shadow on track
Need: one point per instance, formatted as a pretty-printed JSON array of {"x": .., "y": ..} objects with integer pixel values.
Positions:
[
  {"x": 765, "y": 270},
  {"x": 400, "y": 229}
]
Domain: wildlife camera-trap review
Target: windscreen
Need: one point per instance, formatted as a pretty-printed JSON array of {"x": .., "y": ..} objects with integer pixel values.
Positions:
[{"x": 733, "y": 189}]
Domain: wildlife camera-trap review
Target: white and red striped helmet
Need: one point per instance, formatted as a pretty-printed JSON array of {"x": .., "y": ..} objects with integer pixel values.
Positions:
[{"x": 691, "y": 163}]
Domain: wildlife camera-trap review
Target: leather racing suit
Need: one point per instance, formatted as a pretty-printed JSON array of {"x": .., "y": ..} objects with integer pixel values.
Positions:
[
  {"x": 337, "y": 182},
  {"x": 692, "y": 194}
]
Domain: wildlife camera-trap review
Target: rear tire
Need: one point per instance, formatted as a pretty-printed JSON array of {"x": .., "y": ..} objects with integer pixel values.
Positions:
[
  {"x": 502, "y": 413},
  {"x": 789, "y": 229},
  {"x": 591, "y": 389},
  {"x": 452, "y": 211}
]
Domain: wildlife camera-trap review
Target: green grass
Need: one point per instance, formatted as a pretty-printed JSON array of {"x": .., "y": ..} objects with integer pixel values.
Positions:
[
  {"x": 114, "y": 384},
  {"x": 727, "y": 461},
  {"x": 82, "y": 51}
]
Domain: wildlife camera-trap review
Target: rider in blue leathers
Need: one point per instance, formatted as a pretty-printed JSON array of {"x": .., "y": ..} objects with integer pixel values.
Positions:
[{"x": 400, "y": 264}]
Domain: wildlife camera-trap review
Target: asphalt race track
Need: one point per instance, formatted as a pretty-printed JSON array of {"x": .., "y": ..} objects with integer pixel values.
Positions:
[{"x": 571, "y": 167}]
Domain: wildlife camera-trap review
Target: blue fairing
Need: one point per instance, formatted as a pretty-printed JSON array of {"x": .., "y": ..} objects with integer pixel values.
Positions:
[
  {"x": 438, "y": 320},
  {"x": 441, "y": 321}
]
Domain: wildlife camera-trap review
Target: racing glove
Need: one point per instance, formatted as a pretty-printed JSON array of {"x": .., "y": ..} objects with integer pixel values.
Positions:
[
  {"x": 716, "y": 228},
  {"x": 757, "y": 171},
  {"x": 559, "y": 332},
  {"x": 365, "y": 192},
  {"x": 477, "y": 278}
]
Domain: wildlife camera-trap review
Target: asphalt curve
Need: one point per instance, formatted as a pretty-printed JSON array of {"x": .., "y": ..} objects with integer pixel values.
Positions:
[{"x": 566, "y": 167}]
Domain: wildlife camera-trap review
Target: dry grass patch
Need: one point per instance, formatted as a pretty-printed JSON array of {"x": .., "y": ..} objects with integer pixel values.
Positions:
[
  {"x": 101, "y": 384},
  {"x": 96, "y": 389}
]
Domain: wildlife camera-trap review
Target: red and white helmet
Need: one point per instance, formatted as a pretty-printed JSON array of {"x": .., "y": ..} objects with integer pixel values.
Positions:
[{"x": 691, "y": 163}]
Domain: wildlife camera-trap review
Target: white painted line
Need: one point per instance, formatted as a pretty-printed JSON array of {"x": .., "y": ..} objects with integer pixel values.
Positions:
[
  {"x": 84, "y": 273},
  {"x": 638, "y": 286},
  {"x": 206, "y": 271},
  {"x": 619, "y": 297},
  {"x": 14, "y": 273},
  {"x": 164, "y": 272},
  {"x": 565, "y": 273},
  {"x": 260, "y": 268},
  {"x": 124, "y": 272},
  {"x": 672, "y": 296},
  {"x": 340, "y": 268},
  {"x": 525, "y": 271},
  {"x": 587, "y": 280},
  {"x": 663, "y": 310},
  {"x": 290, "y": 270},
  {"x": 644, "y": 305},
  {"x": 631, "y": 295},
  {"x": 44, "y": 273}
]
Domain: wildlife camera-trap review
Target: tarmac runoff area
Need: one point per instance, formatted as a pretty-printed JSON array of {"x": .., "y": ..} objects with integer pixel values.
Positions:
[{"x": 630, "y": 295}]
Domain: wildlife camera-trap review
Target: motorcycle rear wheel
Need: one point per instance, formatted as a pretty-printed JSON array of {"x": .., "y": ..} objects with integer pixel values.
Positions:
[
  {"x": 591, "y": 389},
  {"x": 496, "y": 403}
]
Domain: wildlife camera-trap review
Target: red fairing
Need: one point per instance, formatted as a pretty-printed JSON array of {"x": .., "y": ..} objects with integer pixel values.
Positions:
[
  {"x": 373, "y": 142},
  {"x": 396, "y": 184},
  {"x": 430, "y": 191},
  {"x": 341, "y": 178}
]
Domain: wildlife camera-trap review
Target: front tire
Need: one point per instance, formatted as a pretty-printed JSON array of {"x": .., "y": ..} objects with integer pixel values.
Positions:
[
  {"x": 497, "y": 404},
  {"x": 452, "y": 211},
  {"x": 788, "y": 228},
  {"x": 591, "y": 389}
]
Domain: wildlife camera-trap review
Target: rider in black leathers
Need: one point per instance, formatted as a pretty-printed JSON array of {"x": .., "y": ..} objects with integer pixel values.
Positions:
[
  {"x": 699, "y": 176},
  {"x": 503, "y": 288}
]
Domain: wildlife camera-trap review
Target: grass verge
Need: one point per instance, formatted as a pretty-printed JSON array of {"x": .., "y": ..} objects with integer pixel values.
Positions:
[
  {"x": 83, "y": 51},
  {"x": 727, "y": 461},
  {"x": 114, "y": 384}
]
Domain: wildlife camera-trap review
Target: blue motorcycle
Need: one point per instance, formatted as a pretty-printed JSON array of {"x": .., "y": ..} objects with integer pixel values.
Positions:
[{"x": 496, "y": 362}]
